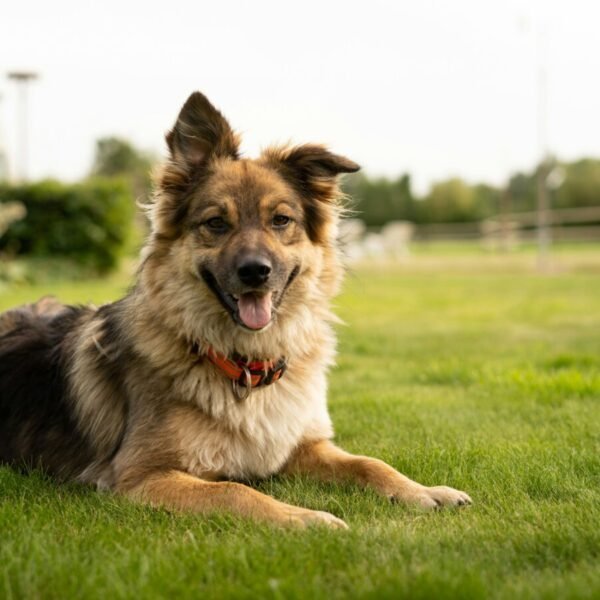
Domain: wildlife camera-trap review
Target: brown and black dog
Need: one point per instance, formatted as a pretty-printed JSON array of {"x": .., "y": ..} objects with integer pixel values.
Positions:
[{"x": 212, "y": 370}]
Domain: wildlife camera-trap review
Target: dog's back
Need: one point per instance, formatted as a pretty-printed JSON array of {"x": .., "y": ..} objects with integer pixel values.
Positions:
[
  {"x": 48, "y": 306},
  {"x": 36, "y": 422}
]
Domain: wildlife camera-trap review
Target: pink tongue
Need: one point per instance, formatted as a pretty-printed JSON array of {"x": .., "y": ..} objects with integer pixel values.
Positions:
[{"x": 255, "y": 310}]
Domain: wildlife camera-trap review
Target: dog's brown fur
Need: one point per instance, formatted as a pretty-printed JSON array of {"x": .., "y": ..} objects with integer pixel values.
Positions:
[{"x": 115, "y": 397}]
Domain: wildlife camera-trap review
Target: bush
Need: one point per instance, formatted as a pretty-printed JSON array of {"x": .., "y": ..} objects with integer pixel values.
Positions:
[{"x": 87, "y": 222}]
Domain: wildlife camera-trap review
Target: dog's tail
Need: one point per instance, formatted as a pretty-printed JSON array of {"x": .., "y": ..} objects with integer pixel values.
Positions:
[{"x": 46, "y": 307}]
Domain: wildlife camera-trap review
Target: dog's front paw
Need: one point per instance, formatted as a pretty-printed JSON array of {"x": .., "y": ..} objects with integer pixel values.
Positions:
[
  {"x": 303, "y": 517},
  {"x": 433, "y": 497}
]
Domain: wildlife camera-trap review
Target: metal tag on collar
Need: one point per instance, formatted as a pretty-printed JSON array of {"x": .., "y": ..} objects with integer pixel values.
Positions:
[{"x": 242, "y": 391}]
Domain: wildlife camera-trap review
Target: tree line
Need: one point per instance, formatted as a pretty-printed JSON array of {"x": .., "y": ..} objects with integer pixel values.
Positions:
[{"x": 379, "y": 200}]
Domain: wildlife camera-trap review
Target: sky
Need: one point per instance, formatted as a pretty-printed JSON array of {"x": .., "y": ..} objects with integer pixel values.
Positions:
[{"x": 432, "y": 88}]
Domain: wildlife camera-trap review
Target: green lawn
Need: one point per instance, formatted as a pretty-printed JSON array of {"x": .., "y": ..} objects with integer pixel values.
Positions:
[{"x": 474, "y": 375}]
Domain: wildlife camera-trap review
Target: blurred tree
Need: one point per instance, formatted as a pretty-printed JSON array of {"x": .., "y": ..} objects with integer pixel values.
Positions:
[
  {"x": 455, "y": 201},
  {"x": 581, "y": 185},
  {"x": 579, "y": 188},
  {"x": 488, "y": 200},
  {"x": 115, "y": 157},
  {"x": 377, "y": 201},
  {"x": 523, "y": 189}
]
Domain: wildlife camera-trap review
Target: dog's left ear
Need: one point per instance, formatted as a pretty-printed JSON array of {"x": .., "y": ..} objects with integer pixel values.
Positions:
[
  {"x": 200, "y": 133},
  {"x": 313, "y": 171},
  {"x": 310, "y": 163}
]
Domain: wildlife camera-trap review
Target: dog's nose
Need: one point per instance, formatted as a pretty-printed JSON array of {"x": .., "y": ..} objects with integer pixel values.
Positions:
[{"x": 254, "y": 271}]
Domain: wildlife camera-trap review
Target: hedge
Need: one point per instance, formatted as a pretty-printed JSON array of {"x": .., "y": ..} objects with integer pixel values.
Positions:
[{"x": 87, "y": 222}]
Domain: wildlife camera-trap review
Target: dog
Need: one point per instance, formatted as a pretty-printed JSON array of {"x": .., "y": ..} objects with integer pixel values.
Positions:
[{"x": 211, "y": 371}]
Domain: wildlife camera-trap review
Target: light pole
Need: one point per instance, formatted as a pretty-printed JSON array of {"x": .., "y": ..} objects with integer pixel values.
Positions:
[
  {"x": 22, "y": 79},
  {"x": 544, "y": 231},
  {"x": 543, "y": 204},
  {"x": 3, "y": 159}
]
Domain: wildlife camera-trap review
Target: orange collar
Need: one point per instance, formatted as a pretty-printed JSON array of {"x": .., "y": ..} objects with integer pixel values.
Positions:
[{"x": 244, "y": 374}]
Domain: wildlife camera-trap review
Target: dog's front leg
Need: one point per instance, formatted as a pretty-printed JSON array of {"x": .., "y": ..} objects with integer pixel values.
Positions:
[
  {"x": 178, "y": 490},
  {"x": 325, "y": 461}
]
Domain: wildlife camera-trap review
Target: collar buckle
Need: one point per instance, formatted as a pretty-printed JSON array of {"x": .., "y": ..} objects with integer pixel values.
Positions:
[{"x": 242, "y": 387}]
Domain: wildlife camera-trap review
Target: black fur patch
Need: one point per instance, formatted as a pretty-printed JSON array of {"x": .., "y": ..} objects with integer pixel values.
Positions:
[{"x": 37, "y": 428}]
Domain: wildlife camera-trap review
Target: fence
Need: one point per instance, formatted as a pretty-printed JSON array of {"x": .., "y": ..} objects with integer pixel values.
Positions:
[
  {"x": 570, "y": 224},
  {"x": 502, "y": 233}
]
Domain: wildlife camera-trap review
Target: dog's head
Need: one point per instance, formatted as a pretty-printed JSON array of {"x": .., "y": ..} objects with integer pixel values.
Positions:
[{"x": 245, "y": 242}]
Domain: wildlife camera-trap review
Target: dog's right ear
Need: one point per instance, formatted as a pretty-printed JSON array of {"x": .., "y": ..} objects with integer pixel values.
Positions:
[{"x": 200, "y": 133}]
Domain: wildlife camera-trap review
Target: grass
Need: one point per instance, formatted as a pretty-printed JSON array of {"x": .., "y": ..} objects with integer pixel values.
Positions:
[{"x": 485, "y": 379}]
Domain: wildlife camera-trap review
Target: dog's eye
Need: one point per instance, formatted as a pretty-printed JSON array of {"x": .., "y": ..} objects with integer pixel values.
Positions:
[
  {"x": 281, "y": 221},
  {"x": 217, "y": 225}
]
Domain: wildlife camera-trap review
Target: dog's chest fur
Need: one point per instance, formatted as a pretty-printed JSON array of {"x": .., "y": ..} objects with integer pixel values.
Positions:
[{"x": 221, "y": 437}]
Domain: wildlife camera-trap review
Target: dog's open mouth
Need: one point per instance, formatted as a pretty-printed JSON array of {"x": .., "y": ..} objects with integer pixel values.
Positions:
[{"x": 253, "y": 310}]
